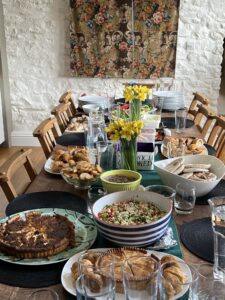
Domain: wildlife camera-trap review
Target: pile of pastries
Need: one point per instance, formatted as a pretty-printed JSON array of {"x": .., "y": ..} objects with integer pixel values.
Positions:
[
  {"x": 74, "y": 163},
  {"x": 78, "y": 124},
  {"x": 188, "y": 145}
]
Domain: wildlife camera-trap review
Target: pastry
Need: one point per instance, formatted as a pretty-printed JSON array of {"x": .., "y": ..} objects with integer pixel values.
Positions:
[{"x": 38, "y": 235}]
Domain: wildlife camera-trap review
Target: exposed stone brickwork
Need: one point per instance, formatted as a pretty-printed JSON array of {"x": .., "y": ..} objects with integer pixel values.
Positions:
[{"x": 38, "y": 55}]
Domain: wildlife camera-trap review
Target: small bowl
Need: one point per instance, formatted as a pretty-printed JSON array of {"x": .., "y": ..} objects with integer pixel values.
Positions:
[
  {"x": 112, "y": 187},
  {"x": 87, "y": 108},
  {"x": 133, "y": 235},
  {"x": 78, "y": 183}
]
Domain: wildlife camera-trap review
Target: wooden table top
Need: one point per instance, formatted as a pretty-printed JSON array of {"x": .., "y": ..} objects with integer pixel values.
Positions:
[{"x": 48, "y": 182}]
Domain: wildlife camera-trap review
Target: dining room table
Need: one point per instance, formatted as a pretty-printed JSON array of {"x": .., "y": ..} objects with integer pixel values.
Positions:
[{"x": 54, "y": 183}]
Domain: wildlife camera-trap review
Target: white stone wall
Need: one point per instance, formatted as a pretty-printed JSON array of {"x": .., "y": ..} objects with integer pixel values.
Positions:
[{"x": 38, "y": 56}]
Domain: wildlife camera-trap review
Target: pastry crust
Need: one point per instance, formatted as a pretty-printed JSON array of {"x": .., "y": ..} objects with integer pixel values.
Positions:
[{"x": 37, "y": 236}]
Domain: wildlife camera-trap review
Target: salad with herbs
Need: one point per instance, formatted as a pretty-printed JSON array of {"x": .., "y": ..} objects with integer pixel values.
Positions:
[{"x": 131, "y": 212}]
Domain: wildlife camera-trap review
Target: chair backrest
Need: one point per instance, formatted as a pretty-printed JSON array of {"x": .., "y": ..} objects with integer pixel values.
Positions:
[
  {"x": 11, "y": 166},
  {"x": 68, "y": 98},
  {"x": 198, "y": 99},
  {"x": 217, "y": 134},
  {"x": 47, "y": 132},
  {"x": 204, "y": 119},
  {"x": 63, "y": 114},
  {"x": 221, "y": 150}
]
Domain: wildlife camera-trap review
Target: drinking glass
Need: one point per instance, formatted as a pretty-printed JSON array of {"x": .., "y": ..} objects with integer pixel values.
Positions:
[
  {"x": 172, "y": 286},
  {"x": 140, "y": 278},
  {"x": 209, "y": 287},
  {"x": 217, "y": 206},
  {"x": 46, "y": 294},
  {"x": 95, "y": 282},
  {"x": 105, "y": 152},
  {"x": 180, "y": 119},
  {"x": 185, "y": 197},
  {"x": 94, "y": 193}
]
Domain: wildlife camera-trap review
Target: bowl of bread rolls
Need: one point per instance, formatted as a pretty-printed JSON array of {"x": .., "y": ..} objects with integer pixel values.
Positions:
[{"x": 203, "y": 171}]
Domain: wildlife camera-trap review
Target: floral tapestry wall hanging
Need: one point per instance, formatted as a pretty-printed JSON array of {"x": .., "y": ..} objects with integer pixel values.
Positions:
[{"x": 123, "y": 38}]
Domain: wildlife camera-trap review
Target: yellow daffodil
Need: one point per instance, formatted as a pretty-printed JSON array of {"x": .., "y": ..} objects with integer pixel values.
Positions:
[{"x": 136, "y": 92}]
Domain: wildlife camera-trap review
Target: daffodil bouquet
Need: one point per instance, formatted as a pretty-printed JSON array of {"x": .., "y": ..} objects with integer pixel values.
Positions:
[
  {"x": 126, "y": 132},
  {"x": 135, "y": 94}
]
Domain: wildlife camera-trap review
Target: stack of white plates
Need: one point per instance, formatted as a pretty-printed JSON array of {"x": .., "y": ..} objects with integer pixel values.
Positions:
[
  {"x": 92, "y": 99},
  {"x": 171, "y": 100}
]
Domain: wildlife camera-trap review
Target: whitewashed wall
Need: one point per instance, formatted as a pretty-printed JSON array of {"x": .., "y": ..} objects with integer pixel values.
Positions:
[{"x": 38, "y": 56}]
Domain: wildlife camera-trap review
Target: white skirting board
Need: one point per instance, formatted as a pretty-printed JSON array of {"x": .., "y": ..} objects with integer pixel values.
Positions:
[{"x": 20, "y": 138}]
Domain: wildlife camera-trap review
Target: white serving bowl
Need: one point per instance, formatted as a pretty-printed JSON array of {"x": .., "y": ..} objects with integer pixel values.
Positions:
[
  {"x": 202, "y": 188},
  {"x": 136, "y": 235},
  {"x": 92, "y": 99},
  {"x": 87, "y": 108}
]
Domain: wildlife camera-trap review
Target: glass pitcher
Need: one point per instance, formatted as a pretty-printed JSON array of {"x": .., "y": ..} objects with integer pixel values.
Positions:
[
  {"x": 217, "y": 206},
  {"x": 95, "y": 133}
]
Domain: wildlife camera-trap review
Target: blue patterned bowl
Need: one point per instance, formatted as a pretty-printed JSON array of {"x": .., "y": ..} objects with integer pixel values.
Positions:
[{"x": 133, "y": 235}]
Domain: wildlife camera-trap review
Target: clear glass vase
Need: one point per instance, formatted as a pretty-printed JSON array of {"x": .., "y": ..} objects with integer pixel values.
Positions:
[
  {"x": 128, "y": 150},
  {"x": 135, "y": 110}
]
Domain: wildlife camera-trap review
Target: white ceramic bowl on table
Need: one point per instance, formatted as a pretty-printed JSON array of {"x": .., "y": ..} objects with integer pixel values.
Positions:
[
  {"x": 92, "y": 99},
  {"x": 134, "y": 235},
  {"x": 202, "y": 188},
  {"x": 87, "y": 108}
]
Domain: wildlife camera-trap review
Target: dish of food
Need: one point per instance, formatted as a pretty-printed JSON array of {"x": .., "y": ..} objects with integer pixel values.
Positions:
[
  {"x": 133, "y": 212},
  {"x": 84, "y": 231},
  {"x": 177, "y": 146},
  {"x": 195, "y": 171},
  {"x": 120, "y": 178},
  {"x": 66, "y": 158},
  {"x": 78, "y": 124},
  {"x": 69, "y": 272}
]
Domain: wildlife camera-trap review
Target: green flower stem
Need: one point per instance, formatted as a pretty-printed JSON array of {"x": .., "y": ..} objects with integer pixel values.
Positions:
[
  {"x": 128, "y": 150},
  {"x": 135, "y": 109}
]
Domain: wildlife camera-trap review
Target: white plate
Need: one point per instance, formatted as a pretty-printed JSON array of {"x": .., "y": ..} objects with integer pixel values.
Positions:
[
  {"x": 69, "y": 285},
  {"x": 47, "y": 167}
]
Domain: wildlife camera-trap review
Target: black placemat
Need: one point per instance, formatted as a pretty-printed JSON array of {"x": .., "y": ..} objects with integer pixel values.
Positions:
[
  {"x": 49, "y": 199},
  {"x": 30, "y": 276},
  {"x": 219, "y": 190},
  {"x": 71, "y": 139},
  {"x": 197, "y": 236},
  {"x": 169, "y": 122}
]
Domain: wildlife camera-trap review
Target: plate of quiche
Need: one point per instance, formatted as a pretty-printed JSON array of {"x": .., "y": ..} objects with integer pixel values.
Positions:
[
  {"x": 98, "y": 257},
  {"x": 177, "y": 146},
  {"x": 45, "y": 236}
]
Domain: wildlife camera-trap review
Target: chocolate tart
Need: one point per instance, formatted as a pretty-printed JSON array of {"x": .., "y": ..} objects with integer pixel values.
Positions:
[{"x": 36, "y": 236}]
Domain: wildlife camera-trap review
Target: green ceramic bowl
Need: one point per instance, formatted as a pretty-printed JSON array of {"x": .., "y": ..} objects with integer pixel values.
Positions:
[{"x": 111, "y": 187}]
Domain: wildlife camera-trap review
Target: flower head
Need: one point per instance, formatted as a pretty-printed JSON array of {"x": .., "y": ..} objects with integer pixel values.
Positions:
[
  {"x": 136, "y": 92},
  {"x": 122, "y": 129}
]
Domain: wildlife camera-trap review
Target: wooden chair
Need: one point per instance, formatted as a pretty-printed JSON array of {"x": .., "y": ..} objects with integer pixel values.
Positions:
[
  {"x": 46, "y": 133},
  {"x": 217, "y": 134},
  {"x": 18, "y": 160},
  {"x": 221, "y": 150},
  {"x": 68, "y": 98},
  {"x": 198, "y": 99},
  {"x": 204, "y": 119},
  {"x": 63, "y": 114}
]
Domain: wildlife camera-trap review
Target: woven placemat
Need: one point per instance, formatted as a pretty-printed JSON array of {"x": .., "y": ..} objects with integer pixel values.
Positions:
[
  {"x": 219, "y": 190},
  {"x": 71, "y": 139},
  {"x": 169, "y": 122},
  {"x": 197, "y": 236},
  {"x": 48, "y": 199}
]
